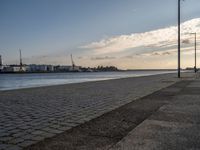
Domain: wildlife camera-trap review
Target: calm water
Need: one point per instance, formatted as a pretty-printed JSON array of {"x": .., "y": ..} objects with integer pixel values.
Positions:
[{"x": 17, "y": 81}]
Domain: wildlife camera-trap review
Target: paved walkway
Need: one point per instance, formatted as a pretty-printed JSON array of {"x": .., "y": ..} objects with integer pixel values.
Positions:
[
  {"x": 28, "y": 116},
  {"x": 165, "y": 120},
  {"x": 175, "y": 126}
]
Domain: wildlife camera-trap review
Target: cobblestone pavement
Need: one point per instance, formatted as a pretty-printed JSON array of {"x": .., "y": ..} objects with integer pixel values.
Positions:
[{"x": 31, "y": 115}]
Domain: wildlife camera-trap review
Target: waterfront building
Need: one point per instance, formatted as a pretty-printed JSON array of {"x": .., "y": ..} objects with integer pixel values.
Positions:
[
  {"x": 37, "y": 68},
  {"x": 14, "y": 68},
  {"x": 50, "y": 68},
  {"x": 1, "y": 68},
  {"x": 62, "y": 68},
  {"x": 1, "y": 62},
  {"x": 75, "y": 69},
  {"x": 40, "y": 68}
]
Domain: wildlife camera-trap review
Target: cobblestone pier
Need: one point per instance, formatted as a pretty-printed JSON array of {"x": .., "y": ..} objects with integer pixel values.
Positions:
[{"x": 28, "y": 116}]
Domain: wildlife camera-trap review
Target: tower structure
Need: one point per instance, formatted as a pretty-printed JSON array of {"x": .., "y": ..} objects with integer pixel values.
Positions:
[
  {"x": 1, "y": 62},
  {"x": 20, "y": 57},
  {"x": 73, "y": 64}
]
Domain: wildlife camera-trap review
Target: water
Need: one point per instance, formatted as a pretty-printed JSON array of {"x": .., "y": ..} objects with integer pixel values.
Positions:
[{"x": 18, "y": 81}]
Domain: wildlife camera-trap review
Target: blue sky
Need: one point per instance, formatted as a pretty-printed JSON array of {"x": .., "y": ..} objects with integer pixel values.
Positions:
[{"x": 52, "y": 28}]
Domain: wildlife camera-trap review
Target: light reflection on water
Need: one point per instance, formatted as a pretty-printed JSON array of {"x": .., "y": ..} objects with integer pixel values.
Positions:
[{"x": 18, "y": 81}]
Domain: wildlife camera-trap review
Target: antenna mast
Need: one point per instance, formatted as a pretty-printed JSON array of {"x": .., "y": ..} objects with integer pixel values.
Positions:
[{"x": 20, "y": 55}]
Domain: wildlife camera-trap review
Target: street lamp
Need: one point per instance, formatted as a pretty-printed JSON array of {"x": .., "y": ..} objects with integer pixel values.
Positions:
[
  {"x": 195, "y": 48},
  {"x": 179, "y": 37}
]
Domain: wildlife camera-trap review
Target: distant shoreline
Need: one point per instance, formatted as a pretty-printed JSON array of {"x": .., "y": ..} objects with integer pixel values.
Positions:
[{"x": 90, "y": 72}]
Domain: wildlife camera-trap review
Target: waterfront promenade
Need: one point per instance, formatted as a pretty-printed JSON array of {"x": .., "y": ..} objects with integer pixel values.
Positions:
[
  {"x": 174, "y": 126},
  {"x": 31, "y": 115},
  {"x": 167, "y": 119}
]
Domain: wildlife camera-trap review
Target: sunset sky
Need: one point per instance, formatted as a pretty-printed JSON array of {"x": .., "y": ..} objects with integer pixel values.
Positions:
[{"x": 129, "y": 34}]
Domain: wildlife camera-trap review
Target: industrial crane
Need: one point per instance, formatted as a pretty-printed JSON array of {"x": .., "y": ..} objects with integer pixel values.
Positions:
[
  {"x": 73, "y": 64},
  {"x": 21, "y": 64}
]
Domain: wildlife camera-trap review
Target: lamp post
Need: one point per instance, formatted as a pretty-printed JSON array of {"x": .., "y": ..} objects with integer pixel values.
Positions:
[
  {"x": 195, "y": 52},
  {"x": 179, "y": 38}
]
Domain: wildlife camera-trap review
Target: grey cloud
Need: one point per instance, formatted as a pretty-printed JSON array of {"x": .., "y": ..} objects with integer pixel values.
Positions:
[
  {"x": 161, "y": 53},
  {"x": 129, "y": 57},
  {"x": 155, "y": 54},
  {"x": 167, "y": 53},
  {"x": 186, "y": 41},
  {"x": 103, "y": 58}
]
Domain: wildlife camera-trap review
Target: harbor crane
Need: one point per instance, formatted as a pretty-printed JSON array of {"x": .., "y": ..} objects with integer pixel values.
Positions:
[
  {"x": 20, "y": 55},
  {"x": 73, "y": 64}
]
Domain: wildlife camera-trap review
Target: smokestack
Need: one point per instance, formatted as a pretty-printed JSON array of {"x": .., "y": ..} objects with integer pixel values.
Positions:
[{"x": 1, "y": 63}]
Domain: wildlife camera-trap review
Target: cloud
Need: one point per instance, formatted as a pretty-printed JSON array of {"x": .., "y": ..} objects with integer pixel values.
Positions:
[
  {"x": 103, "y": 58},
  {"x": 165, "y": 37},
  {"x": 186, "y": 41},
  {"x": 153, "y": 49}
]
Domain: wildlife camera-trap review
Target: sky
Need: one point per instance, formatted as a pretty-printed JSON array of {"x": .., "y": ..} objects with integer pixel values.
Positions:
[{"x": 129, "y": 34}]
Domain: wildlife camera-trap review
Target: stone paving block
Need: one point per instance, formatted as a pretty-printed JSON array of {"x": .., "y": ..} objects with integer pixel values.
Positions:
[
  {"x": 10, "y": 128},
  {"x": 55, "y": 126},
  {"x": 27, "y": 137},
  {"x": 48, "y": 135},
  {"x": 4, "y": 134},
  {"x": 64, "y": 128},
  {"x": 13, "y": 131},
  {"x": 68, "y": 124},
  {"x": 24, "y": 127},
  {"x": 16, "y": 141},
  {"x": 39, "y": 138},
  {"x": 55, "y": 131},
  {"x": 37, "y": 132},
  {"x": 19, "y": 134},
  {"x": 4, "y": 146},
  {"x": 27, "y": 143},
  {"x": 6, "y": 138},
  {"x": 13, "y": 147}
]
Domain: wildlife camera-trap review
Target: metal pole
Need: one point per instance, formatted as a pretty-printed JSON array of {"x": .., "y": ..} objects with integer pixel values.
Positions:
[
  {"x": 195, "y": 52},
  {"x": 179, "y": 39}
]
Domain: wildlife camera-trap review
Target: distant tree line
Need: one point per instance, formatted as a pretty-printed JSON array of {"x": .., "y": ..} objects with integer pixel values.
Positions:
[{"x": 99, "y": 69}]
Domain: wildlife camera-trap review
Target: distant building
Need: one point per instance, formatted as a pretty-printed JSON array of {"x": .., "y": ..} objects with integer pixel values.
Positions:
[
  {"x": 14, "y": 68},
  {"x": 40, "y": 68},
  {"x": 37, "y": 68},
  {"x": 62, "y": 68},
  {"x": 1, "y": 62},
  {"x": 1, "y": 68},
  {"x": 75, "y": 69},
  {"x": 50, "y": 68}
]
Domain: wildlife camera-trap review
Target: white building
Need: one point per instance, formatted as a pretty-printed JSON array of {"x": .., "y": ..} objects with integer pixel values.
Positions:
[
  {"x": 1, "y": 68},
  {"x": 50, "y": 68},
  {"x": 13, "y": 69},
  {"x": 75, "y": 68},
  {"x": 40, "y": 68}
]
